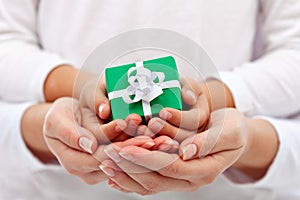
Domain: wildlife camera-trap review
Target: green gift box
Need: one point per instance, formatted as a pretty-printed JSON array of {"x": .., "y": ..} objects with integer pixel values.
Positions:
[{"x": 143, "y": 88}]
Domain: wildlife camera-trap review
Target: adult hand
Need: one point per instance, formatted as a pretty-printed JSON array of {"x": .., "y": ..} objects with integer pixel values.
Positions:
[
  {"x": 72, "y": 144},
  {"x": 213, "y": 151}
]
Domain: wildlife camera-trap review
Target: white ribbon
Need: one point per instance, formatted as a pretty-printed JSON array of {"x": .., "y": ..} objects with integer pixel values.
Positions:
[{"x": 145, "y": 86}]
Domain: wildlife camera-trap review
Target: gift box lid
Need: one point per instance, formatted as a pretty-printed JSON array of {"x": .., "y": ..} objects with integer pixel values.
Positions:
[{"x": 117, "y": 80}]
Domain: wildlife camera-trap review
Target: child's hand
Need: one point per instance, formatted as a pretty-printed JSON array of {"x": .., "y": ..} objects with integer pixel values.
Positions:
[
  {"x": 181, "y": 124},
  {"x": 95, "y": 109}
]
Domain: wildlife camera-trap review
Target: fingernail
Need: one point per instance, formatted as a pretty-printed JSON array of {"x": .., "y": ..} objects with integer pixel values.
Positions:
[
  {"x": 148, "y": 145},
  {"x": 143, "y": 137},
  {"x": 164, "y": 114},
  {"x": 86, "y": 144},
  {"x": 112, "y": 153},
  {"x": 127, "y": 156},
  {"x": 121, "y": 125},
  {"x": 192, "y": 95},
  {"x": 189, "y": 151},
  {"x": 101, "y": 108},
  {"x": 157, "y": 126},
  {"x": 108, "y": 171}
]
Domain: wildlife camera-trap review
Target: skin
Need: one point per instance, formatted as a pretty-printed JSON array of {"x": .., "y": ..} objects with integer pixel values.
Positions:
[
  {"x": 58, "y": 128},
  {"x": 234, "y": 147},
  {"x": 32, "y": 132},
  {"x": 229, "y": 140},
  {"x": 239, "y": 143},
  {"x": 56, "y": 86}
]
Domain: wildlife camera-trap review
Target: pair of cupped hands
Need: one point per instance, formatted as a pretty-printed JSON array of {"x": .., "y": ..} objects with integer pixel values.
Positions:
[{"x": 176, "y": 151}]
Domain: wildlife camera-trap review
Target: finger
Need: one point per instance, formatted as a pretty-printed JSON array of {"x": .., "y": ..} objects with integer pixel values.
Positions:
[
  {"x": 137, "y": 141},
  {"x": 144, "y": 130},
  {"x": 193, "y": 119},
  {"x": 113, "y": 129},
  {"x": 75, "y": 162},
  {"x": 169, "y": 165},
  {"x": 166, "y": 144},
  {"x": 93, "y": 96},
  {"x": 136, "y": 178},
  {"x": 61, "y": 123},
  {"x": 122, "y": 137},
  {"x": 121, "y": 179},
  {"x": 141, "y": 141},
  {"x": 200, "y": 145},
  {"x": 190, "y": 90},
  {"x": 133, "y": 121},
  {"x": 221, "y": 137},
  {"x": 114, "y": 185},
  {"x": 197, "y": 171},
  {"x": 158, "y": 126},
  {"x": 103, "y": 132},
  {"x": 101, "y": 101},
  {"x": 93, "y": 178}
]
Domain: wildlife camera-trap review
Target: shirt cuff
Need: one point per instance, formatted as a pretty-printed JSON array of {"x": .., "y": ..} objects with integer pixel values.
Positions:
[{"x": 284, "y": 173}]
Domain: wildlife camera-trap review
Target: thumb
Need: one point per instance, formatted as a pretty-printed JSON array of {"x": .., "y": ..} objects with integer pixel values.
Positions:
[
  {"x": 62, "y": 125},
  {"x": 86, "y": 141},
  {"x": 200, "y": 145}
]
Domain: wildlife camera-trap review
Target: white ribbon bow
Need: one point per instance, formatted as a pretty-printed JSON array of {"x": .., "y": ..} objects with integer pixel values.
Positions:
[{"x": 143, "y": 87}]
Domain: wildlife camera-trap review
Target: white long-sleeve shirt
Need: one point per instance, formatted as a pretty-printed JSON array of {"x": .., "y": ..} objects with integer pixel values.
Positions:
[{"x": 36, "y": 36}]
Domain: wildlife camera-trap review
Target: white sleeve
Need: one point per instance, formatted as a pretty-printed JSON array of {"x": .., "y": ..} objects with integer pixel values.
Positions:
[
  {"x": 284, "y": 173},
  {"x": 12, "y": 145},
  {"x": 24, "y": 66},
  {"x": 270, "y": 85}
]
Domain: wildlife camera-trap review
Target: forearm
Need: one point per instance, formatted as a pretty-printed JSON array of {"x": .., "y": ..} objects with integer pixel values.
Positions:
[
  {"x": 32, "y": 132},
  {"x": 65, "y": 81},
  {"x": 261, "y": 150}
]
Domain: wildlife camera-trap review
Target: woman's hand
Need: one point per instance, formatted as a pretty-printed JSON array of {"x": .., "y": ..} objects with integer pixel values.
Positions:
[
  {"x": 72, "y": 144},
  {"x": 209, "y": 154}
]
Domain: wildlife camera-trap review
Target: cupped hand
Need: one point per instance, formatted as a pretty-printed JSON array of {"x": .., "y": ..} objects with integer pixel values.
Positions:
[
  {"x": 181, "y": 124},
  {"x": 207, "y": 155},
  {"x": 96, "y": 112},
  {"x": 72, "y": 144}
]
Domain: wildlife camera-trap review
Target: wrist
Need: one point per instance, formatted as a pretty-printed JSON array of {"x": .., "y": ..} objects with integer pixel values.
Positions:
[
  {"x": 65, "y": 81},
  {"x": 60, "y": 82},
  {"x": 258, "y": 154},
  {"x": 218, "y": 94},
  {"x": 32, "y": 133}
]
